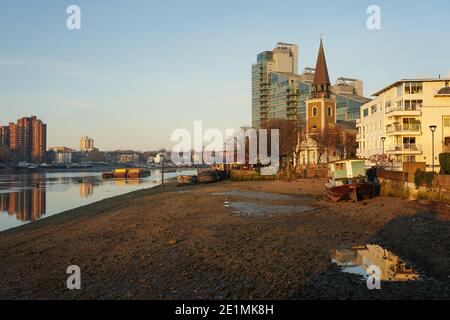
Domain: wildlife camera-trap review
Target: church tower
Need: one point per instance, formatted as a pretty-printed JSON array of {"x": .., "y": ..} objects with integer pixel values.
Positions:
[{"x": 321, "y": 108}]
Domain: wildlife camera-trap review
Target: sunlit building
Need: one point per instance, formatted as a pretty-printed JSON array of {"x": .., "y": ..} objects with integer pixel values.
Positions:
[
  {"x": 401, "y": 116},
  {"x": 86, "y": 144},
  {"x": 27, "y": 139},
  {"x": 279, "y": 92}
]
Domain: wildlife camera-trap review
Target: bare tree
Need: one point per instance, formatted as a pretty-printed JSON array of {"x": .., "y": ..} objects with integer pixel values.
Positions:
[{"x": 292, "y": 134}]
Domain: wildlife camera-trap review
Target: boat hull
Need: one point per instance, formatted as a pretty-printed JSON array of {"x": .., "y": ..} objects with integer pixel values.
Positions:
[
  {"x": 355, "y": 192},
  {"x": 186, "y": 180}
]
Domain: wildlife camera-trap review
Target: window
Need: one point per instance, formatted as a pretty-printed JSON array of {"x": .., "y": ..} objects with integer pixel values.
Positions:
[
  {"x": 413, "y": 104},
  {"x": 388, "y": 104},
  {"x": 314, "y": 111},
  {"x": 413, "y": 87},
  {"x": 340, "y": 166},
  {"x": 447, "y": 122},
  {"x": 447, "y": 142},
  {"x": 374, "y": 109},
  {"x": 400, "y": 90},
  {"x": 366, "y": 112},
  {"x": 330, "y": 111}
]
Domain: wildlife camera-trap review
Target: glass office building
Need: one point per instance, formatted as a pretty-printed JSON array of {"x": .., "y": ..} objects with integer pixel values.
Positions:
[{"x": 288, "y": 94}]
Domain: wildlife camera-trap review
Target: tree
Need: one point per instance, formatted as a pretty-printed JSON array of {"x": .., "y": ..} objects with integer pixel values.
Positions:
[{"x": 292, "y": 134}]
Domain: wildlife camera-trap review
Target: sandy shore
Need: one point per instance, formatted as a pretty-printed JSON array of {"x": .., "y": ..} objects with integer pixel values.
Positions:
[{"x": 233, "y": 241}]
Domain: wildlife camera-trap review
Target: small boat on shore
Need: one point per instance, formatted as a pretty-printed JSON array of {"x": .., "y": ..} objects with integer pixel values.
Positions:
[
  {"x": 207, "y": 176},
  {"x": 131, "y": 173},
  {"x": 186, "y": 180},
  {"x": 348, "y": 181}
]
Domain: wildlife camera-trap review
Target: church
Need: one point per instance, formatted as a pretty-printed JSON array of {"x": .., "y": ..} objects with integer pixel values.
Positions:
[{"x": 325, "y": 139}]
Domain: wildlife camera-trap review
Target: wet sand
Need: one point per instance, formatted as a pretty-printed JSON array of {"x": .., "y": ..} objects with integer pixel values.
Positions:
[{"x": 234, "y": 240}]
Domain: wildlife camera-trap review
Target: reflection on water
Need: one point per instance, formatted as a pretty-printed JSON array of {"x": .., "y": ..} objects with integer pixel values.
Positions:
[
  {"x": 28, "y": 205},
  {"x": 357, "y": 260},
  {"x": 27, "y": 197},
  {"x": 86, "y": 189}
]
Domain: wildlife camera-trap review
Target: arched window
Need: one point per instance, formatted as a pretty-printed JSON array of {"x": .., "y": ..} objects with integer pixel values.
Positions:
[
  {"x": 330, "y": 111},
  {"x": 314, "y": 111}
]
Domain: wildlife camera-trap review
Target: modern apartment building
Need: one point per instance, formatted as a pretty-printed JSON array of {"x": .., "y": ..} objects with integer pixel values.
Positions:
[
  {"x": 401, "y": 115},
  {"x": 279, "y": 92},
  {"x": 284, "y": 58},
  {"x": 27, "y": 139},
  {"x": 86, "y": 144}
]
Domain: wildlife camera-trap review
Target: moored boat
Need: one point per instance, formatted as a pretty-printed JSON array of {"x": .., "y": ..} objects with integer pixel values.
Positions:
[
  {"x": 348, "y": 181},
  {"x": 131, "y": 173},
  {"x": 186, "y": 180},
  {"x": 207, "y": 176}
]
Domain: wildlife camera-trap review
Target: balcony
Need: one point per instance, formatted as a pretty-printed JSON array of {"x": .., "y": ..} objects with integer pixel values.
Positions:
[
  {"x": 398, "y": 111},
  {"x": 405, "y": 148},
  {"x": 399, "y": 129}
]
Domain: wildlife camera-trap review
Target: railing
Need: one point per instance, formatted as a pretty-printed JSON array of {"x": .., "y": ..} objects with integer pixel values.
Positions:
[
  {"x": 403, "y": 108},
  {"x": 405, "y": 147},
  {"x": 403, "y": 128}
]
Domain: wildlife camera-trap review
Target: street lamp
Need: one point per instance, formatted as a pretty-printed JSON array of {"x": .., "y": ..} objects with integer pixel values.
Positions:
[
  {"x": 433, "y": 130},
  {"x": 383, "y": 139}
]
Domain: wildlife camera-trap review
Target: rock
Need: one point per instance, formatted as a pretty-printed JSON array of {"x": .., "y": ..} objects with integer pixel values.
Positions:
[{"x": 173, "y": 242}]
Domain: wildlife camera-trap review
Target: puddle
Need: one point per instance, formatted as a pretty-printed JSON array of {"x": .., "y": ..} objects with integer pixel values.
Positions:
[
  {"x": 357, "y": 260},
  {"x": 247, "y": 209},
  {"x": 261, "y": 195}
]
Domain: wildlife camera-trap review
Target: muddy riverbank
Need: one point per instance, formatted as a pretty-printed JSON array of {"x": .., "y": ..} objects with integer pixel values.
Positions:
[{"x": 231, "y": 240}]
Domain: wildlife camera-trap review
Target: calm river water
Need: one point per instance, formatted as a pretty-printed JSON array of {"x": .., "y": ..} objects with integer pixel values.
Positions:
[{"x": 27, "y": 197}]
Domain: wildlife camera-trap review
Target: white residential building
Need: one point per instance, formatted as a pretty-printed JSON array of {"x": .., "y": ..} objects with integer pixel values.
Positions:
[{"x": 403, "y": 113}]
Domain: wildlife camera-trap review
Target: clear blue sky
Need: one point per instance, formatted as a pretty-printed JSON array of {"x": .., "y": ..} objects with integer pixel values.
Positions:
[{"x": 139, "y": 69}]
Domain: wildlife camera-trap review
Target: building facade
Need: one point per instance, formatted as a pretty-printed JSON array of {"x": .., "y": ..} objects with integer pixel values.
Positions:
[
  {"x": 4, "y": 136},
  {"x": 27, "y": 139},
  {"x": 86, "y": 144},
  {"x": 401, "y": 116},
  {"x": 326, "y": 139},
  {"x": 279, "y": 92},
  {"x": 284, "y": 58}
]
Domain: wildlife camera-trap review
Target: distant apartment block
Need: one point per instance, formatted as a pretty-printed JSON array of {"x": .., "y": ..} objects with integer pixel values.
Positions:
[
  {"x": 27, "y": 139},
  {"x": 279, "y": 92},
  {"x": 128, "y": 158},
  {"x": 86, "y": 144},
  {"x": 402, "y": 113}
]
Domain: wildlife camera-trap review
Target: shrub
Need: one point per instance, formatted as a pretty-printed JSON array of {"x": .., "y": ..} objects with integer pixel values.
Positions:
[
  {"x": 422, "y": 178},
  {"x": 444, "y": 160}
]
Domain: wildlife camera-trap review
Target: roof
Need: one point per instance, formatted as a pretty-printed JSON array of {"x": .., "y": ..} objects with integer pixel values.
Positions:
[
  {"x": 355, "y": 97},
  {"x": 321, "y": 76},
  {"x": 347, "y": 125},
  {"x": 395, "y": 84}
]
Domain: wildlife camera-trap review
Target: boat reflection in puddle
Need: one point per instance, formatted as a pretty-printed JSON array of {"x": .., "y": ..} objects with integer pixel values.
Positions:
[{"x": 357, "y": 260}]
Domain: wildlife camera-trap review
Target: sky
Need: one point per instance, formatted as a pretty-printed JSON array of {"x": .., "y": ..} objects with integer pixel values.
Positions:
[{"x": 139, "y": 69}]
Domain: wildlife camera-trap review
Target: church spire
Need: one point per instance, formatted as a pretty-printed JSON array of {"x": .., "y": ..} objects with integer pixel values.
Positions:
[{"x": 321, "y": 84}]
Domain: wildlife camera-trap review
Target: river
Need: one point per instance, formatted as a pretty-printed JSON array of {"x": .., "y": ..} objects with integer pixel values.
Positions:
[{"x": 28, "y": 197}]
